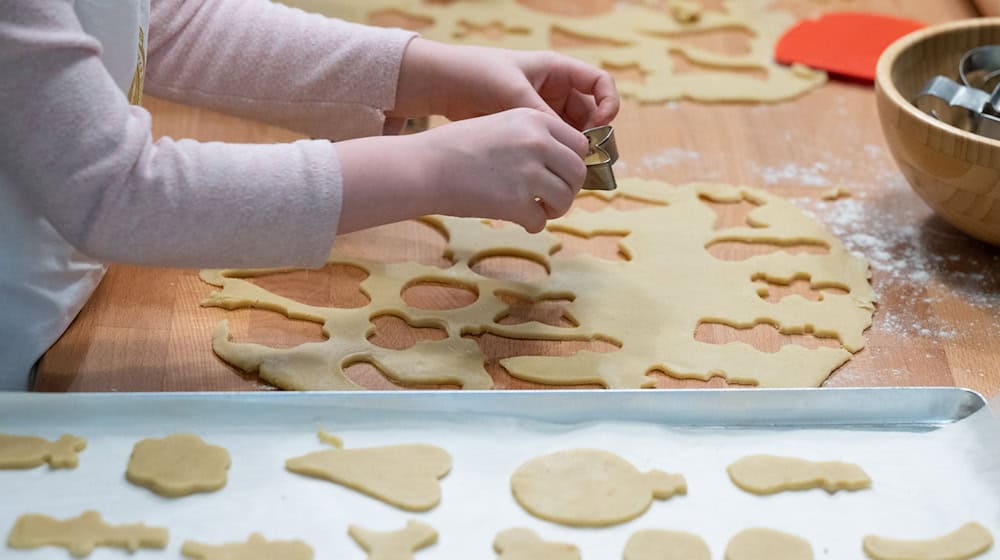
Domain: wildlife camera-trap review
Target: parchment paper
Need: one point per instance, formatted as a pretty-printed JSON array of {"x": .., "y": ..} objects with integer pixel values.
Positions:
[{"x": 925, "y": 484}]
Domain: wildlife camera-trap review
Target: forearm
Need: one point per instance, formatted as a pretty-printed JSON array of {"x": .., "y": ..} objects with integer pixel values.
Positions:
[
  {"x": 253, "y": 58},
  {"x": 85, "y": 160},
  {"x": 385, "y": 180}
]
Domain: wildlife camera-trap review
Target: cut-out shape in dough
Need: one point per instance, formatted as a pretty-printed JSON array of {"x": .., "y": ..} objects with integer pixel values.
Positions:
[
  {"x": 392, "y": 331},
  {"x": 589, "y": 488},
  {"x": 28, "y": 452},
  {"x": 770, "y": 474},
  {"x": 630, "y": 35},
  {"x": 767, "y": 544},
  {"x": 256, "y": 548},
  {"x": 524, "y": 544},
  {"x": 437, "y": 294},
  {"x": 394, "y": 545},
  {"x": 685, "y": 284},
  {"x": 660, "y": 544},
  {"x": 81, "y": 535},
  {"x": 405, "y": 476},
  {"x": 763, "y": 337},
  {"x": 549, "y": 311},
  {"x": 968, "y": 541},
  {"x": 178, "y": 465}
]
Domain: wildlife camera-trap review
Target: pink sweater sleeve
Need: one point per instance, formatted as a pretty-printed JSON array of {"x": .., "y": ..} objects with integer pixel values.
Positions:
[
  {"x": 85, "y": 160},
  {"x": 253, "y": 58}
]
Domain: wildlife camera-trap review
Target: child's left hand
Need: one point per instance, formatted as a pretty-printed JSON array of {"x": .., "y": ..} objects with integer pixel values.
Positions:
[{"x": 461, "y": 82}]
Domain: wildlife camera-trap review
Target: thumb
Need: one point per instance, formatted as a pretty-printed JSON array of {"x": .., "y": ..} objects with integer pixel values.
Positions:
[{"x": 530, "y": 99}]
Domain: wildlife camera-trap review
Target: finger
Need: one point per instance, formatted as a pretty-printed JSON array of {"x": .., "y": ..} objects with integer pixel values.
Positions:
[
  {"x": 566, "y": 165},
  {"x": 533, "y": 218},
  {"x": 580, "y": 110},
  {"x": 608, "y": 100},
  {"x": 556, "y": 198},
  {"x": 530, "y": 99},
  {"x": 550, "y": 213},
  {"x": 597, "y": 83},
  {"x": 568, "y": 136}
]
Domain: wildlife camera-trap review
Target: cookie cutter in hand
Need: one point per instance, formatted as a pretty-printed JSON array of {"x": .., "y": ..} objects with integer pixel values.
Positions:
[
  {"x": 974, "y": 104},
  {"x": 602, "y": 154}
]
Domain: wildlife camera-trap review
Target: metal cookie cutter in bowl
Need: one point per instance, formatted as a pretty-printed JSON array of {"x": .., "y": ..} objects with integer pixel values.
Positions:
[
  {"x": 603, "y": 153},
  {"x": 974, "y": 104}
]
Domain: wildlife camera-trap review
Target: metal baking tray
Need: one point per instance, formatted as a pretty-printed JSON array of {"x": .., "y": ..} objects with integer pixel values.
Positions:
[{"x": 893, "y": 432}]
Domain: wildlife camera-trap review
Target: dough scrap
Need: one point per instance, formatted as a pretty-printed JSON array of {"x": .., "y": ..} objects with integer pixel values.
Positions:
[
  {"x": 589, "y": 488},
  {"x": 256, "y": 548},
  {"x": 668, "y": 292},
  {"x": 525, "y": 544},
  {"x": 836, "y": 193},
  {"x": 968, "y": 541},
  {"x": 770, "y": 474},
  {"x": 767, "y": 544},
  {"x": 27, "y": 452},
  {"x": 394, "y": 545},
  {"x": 178, "y": 465},
  {"x": 628, "y": 36},
  {"x": 659, "y": 544},
  {"x": 81, "y": 535},
  {"x": 405, "y": 476},
  {"x": 685, "y": 11}
]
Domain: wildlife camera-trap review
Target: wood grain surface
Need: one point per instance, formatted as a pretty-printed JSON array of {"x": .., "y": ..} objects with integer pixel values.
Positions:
[{"x": 937, "y": 323}]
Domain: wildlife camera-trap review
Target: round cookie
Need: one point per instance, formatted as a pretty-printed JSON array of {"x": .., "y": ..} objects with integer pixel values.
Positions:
[{"x": 589, "y": 488}]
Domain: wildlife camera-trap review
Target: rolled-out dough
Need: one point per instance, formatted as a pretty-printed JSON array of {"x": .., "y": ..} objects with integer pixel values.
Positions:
[
  {"x": 767, "y": 544},
  {"x": 394, "y": 545},
  {"x": 589, "y": 488},
  {"x": 627, "y": 36},
  {"x": 525, "y": 544},
  {"x": 256, "y": 548},
  {"x": 668, "y": 292},
  {"x": 968, "y": 541},
  {"x": 178, "y": 465},
  {"x": 27, "y": 452},
  {"x": 770, "y": 474},
  {"x": 660, "y": 544},
  {"x": 405, "y": 476},
  {"x": 81, "y": 535}
]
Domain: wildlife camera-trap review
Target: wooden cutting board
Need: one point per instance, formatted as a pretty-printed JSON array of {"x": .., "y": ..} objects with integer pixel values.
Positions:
[{"x": 939, "y": 311}]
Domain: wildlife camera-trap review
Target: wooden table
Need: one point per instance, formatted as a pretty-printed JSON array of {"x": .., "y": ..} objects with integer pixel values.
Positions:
[{"x": 938, "y": 320}]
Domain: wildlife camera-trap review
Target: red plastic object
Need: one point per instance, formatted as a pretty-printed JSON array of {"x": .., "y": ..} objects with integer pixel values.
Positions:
[{"x": 843, "y": 43}]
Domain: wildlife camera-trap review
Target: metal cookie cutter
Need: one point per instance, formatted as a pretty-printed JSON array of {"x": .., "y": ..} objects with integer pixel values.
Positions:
[
  {"x": 602, "y": 155},
  {"x": 968, "y": 105},
  {"x": 980, "y": 68}
]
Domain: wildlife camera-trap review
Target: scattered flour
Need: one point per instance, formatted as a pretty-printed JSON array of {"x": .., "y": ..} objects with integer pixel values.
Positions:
[
  {"x": 670, "y": 156},
  {"x": 808, "y": 175},
  {"x": 906, "y": 260}
]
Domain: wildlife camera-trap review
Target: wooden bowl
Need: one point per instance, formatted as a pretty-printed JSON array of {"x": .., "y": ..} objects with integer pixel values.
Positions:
[{"x": 956, "y": 172}]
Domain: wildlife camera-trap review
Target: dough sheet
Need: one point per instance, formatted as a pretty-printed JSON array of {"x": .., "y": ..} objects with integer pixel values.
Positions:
[
  {"x": 632, "y": 35},
  {"x": 670, "y": 284}
]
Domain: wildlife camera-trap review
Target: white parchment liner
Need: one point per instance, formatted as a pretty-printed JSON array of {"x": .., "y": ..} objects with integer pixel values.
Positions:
[{"x": 925, "y": 484}]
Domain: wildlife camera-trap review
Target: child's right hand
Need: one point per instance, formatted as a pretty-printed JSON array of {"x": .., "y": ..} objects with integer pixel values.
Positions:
[{"x": 521, "y": 165}]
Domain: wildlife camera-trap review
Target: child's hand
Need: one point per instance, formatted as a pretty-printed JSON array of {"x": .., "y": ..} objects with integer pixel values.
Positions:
[
  {"x": 520, "y": 165},
  {"x": 460, "y": 82}
]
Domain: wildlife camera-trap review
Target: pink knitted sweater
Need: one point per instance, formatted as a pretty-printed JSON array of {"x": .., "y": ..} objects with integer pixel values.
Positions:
[{"x": 86, "y": 159}]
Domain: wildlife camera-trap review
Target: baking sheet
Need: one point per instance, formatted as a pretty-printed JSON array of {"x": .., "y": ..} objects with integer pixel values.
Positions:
[{"x": 931, "y": 471}]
